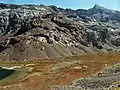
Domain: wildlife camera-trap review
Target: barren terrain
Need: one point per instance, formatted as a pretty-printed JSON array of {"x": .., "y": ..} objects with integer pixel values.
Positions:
[{"x": 41, "y": 75}]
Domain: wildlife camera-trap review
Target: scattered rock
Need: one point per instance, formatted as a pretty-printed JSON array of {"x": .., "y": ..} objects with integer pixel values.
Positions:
[{"x": 28, "y": 31}]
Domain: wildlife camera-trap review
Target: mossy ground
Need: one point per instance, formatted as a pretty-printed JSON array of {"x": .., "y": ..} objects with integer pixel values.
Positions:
[{"x": 68, "y": 69}]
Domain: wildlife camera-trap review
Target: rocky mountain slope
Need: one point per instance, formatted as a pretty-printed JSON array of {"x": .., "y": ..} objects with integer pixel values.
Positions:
[{"x": 29, "y": 32}]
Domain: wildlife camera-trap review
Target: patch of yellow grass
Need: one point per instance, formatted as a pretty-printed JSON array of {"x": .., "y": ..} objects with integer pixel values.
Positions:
[{"x": 117, "y": 89}]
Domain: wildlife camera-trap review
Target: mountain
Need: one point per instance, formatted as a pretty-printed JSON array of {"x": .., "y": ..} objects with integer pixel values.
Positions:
[
  {"x": 31, "y": 32},
  {"x": 98, "y": 13}
]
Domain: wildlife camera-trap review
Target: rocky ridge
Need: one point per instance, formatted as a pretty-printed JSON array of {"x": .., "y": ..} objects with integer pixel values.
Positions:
[{"x": 29, "y": 32}]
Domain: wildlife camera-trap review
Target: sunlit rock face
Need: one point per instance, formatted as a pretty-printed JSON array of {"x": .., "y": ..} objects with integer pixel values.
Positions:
[{"x": 48, "y": 31}]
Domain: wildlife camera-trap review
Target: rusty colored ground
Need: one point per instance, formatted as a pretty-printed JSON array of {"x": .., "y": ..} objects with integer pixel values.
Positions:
[{"x": 84, "y": 66}]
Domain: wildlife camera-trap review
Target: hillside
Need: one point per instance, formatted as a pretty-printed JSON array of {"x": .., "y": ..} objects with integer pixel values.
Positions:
[
  {"x": 31, "y": 32},
  {"x": 51, "y": 48}
]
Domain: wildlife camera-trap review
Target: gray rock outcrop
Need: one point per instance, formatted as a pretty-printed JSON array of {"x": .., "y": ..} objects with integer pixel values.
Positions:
[{"x": 47, "y": 31}]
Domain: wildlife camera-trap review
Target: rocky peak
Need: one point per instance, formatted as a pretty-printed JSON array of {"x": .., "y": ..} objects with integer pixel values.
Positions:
[
  {"x": 4, "y": 6},
  {"x": 98, "y": 7}
]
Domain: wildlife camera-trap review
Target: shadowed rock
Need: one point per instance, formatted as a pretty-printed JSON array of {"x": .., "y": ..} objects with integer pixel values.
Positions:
[{"x": 49, "y": 31}]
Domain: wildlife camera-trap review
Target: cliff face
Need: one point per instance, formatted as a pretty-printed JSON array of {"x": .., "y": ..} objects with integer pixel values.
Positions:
[{"x": 30, "y": 32}]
